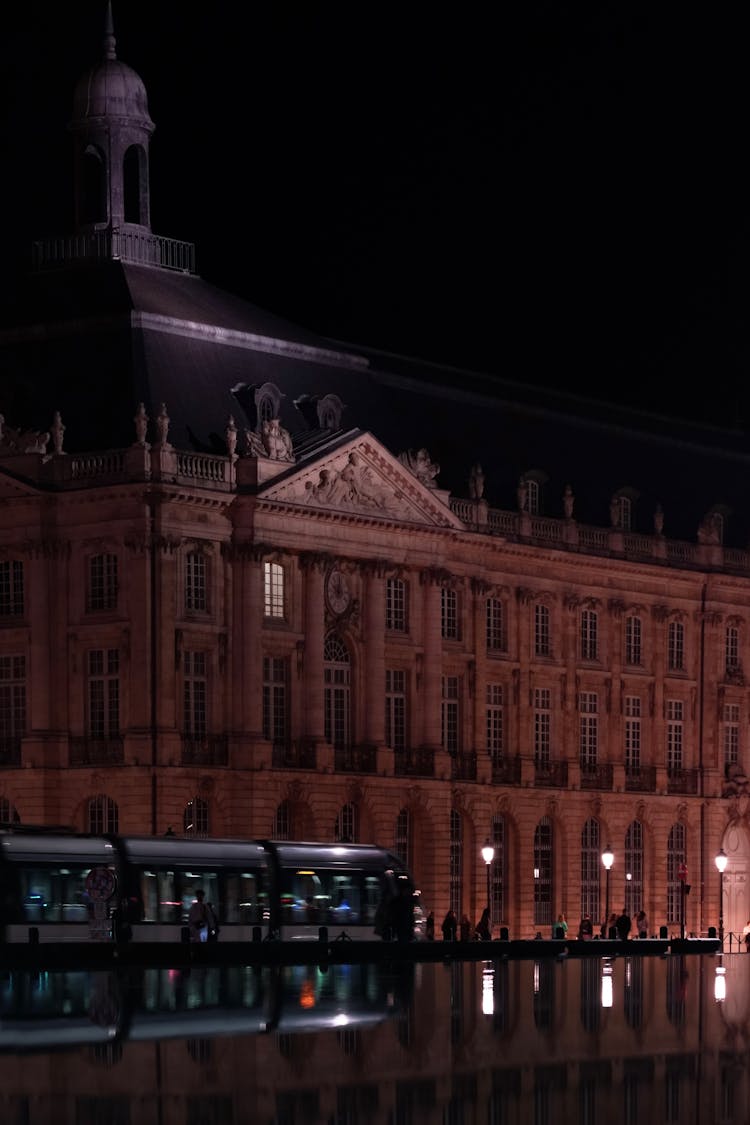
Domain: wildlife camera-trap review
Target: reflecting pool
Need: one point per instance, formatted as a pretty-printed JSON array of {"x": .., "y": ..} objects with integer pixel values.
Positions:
[{"x": 631, "y": 1039}]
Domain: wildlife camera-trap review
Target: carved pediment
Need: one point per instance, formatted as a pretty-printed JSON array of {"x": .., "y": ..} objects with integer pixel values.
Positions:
[{"x": 363, "y": 477}]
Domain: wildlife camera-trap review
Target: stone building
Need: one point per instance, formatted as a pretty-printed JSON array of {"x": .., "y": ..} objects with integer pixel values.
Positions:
[{"x": 258, "y": 583}]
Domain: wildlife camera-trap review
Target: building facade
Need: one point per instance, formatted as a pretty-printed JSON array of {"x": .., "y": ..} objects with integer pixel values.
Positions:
[{"x": 236, "y": 598}]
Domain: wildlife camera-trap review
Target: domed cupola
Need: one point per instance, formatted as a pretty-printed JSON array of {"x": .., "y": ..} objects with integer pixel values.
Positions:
[{"x": 111, "y": 127}]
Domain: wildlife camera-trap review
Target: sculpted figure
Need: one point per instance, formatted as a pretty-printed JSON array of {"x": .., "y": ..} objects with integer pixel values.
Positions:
[
  {"x": 568, "y": 501},
  {"x": 277, "y": 441},
  {"x": 231, "y": 436},
  {"x": 476, "y": 482},
  {"x": 141, "y": 424},
  {"x": 420, "y": 464},
  {"x": 162, "y": 425},
  {"x": 58, "y": 431}
]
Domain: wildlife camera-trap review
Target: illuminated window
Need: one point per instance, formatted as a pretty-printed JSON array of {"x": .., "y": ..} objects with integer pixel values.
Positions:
[
  {"x": 273, "y": 590},
  {"x": 336, "y": 693},
  {"x": 195, "y": 820}
]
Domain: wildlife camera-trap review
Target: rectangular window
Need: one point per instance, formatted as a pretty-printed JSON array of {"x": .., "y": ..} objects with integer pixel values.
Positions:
[
  {"x": 449, "y": 615},
  {"x": 589, "y": 635},
  {"x": 196, "y": 582},
  {"x": 275, "y": 704},
  {"x": 731, "y": 734},
  {"x": 102, "y": 588},
  {"x": 450, "y": 714},
  {"x": 542, "y": 645},
  {"x": 542, "y": 727},
  {"x": 273, "y": 590},
  {"x": 495, "y": 625},
  {"x": 395, "y": 605},
  {"x": 495, "y": 721},
  {"x": 103, "y": 689},
  {"x": 12, "y": 701},
  {"x": 633, "y": 636},
  {"x": 588, "y": 728},
  {"x": 676, "y": 647},
  {"x": 732, "y": 649},
  {"x": 632, "y": 734},
  {"x": 195, "y": 695},
  {"x": 11, "y": 588},
  {"x": 395, "y": 709},
  {"x": 675, "y": 724}
]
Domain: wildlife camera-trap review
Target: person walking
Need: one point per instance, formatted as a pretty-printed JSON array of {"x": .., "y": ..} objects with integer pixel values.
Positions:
[
  {"x": 586, "y": 928},
  {"x": 641, "y": 923},
  {"x": 198, "y": 918},
  {"x": 450, "y": 926},
  {"x": 560, "y": 927}
]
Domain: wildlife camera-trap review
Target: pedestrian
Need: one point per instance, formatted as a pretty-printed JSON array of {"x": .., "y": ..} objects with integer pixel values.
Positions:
[
  {"x": 484, "y": 926},
  {"x": 213, "y": 923},
  {"x": 560, "y": 925},
  {"x": 198, "y": 918},
  {"x": 641, "y": 923},
  {"x": 609, "y": 928},
  {"x": 465, "y": 928},
  {"x": 450, "y": 926},
  {"x": 586, "y": 928},
  {"x": 746, "y": 932},
  {"x": 430, "y": 926},
  {"x": 623, "y": 925}
]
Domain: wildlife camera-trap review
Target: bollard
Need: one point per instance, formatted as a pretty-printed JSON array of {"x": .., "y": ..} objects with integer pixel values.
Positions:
[
  {"x": 256, "y": 933},
  {"x": 185, "y": 935},
  {"x": 323, "y": 933},
  {"x": 663, "y": 933},
  {"x": 33, "y": 935},
  {"x": 712, "y": 932},
  {"x": 504, "y": 933},
  {"x": 559, "y": 932}
]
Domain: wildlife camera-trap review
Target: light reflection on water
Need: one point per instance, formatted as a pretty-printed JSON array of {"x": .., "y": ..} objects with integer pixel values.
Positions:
[{"x": 631, "y": 1039}]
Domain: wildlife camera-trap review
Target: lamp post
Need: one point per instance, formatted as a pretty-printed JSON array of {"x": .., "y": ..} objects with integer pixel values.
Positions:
[
  {"x": 608, "y": 858},
  {"x": 721, "y": 861},
  {"x": 488, "y": 854}
]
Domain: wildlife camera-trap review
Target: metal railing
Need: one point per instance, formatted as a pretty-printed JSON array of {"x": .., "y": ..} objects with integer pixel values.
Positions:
[
  {"x": 414, "y": 763},
  {"x": 139, "y": 247},
  {"x": 212, "y": 750},
  {"x": 96, "y": 751},
  {"x": 355, "y": 759}
]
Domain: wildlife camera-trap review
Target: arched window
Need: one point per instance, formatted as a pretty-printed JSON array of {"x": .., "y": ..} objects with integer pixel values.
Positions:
[
  {"x": 93, "y": 197},
  {"x": 589, "y": 634},
  {"x": 633, "y": 640},
  {"x": 195, "y": 819},
  {"x": 533, "y": 495},
  {"x": 402, "y": 844},
  {"x": 543, "y": 866},
  {"x": 282, "y": 822},
  {"x": 8, "y": 812},
  {"x": 498, "y": 870},
  {"x": 132, "y": 168},
  {"x": 591, "y": 863},
  {"x": 455, "y": 889},
  {"x": 346, "y": 829},
  {"x": 336, "y": 701},
  {"x": 634, "y": 868},
  {"x": 102, "y": 815},
  {"x": 676, "y": 856}
]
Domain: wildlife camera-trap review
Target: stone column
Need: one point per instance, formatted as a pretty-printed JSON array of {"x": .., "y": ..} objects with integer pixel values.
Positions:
[
  {"x": 374, "y": 621},
  {"x": 313, "y": 567},
  {"x": 432, "y": 670}
]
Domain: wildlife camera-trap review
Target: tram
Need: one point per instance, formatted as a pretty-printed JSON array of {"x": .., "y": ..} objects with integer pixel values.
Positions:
[{"x": 59, "y": 886}]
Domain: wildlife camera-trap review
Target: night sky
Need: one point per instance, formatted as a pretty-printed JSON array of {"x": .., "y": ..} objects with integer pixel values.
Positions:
[{"x": 554, "y": 197}]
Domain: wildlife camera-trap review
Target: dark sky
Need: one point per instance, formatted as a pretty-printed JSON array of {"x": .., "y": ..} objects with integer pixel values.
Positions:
[{"x": 552, "y": 196}]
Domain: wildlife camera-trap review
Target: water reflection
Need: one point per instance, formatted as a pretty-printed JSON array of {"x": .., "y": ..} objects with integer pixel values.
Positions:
[{"x": 627, "y": 1039}]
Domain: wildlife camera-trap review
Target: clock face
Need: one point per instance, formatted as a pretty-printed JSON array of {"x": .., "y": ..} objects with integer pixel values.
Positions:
[{"x": 338, "y": 593}]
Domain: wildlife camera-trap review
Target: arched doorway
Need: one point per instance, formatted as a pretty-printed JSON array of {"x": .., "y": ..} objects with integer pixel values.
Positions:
[{"x": 736, "y": 882}]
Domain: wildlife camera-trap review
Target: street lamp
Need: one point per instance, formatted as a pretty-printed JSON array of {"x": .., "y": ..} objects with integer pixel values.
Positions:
[
  {"x": 721, "y": 861},
  {"x": 608, "y": 858},
  {"x": 488, "y": 854}
]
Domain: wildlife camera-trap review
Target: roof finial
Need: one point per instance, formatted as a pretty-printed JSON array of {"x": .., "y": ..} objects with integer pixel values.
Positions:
[{"x": 109, "y": 34}]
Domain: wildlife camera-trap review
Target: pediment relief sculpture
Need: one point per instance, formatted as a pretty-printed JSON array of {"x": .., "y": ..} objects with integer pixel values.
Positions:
[{"x": 366, "y": 479}]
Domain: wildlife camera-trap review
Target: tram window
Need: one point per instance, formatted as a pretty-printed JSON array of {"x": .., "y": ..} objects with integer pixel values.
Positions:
[
  {"x": 243, "y": 899},
  {"x": 55, "y": 894}
]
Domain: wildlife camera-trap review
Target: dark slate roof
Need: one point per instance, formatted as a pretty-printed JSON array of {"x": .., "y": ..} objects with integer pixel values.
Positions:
[{"x": 93, "y": 342}]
